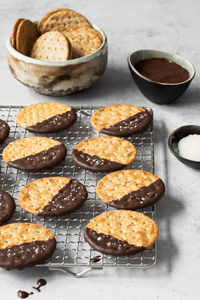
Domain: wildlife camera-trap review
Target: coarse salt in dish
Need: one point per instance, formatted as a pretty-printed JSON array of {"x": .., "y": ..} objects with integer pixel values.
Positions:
[{"x": 189, "y": 147}]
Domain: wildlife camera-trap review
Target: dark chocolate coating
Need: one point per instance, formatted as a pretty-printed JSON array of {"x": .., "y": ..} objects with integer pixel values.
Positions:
[
  {"x": 7, "y": 206},
  {"x": 69, "y": 198},
  {"x": 26, "y": 254},
  {"x": 143, "y": 197},
  {"x": 4, "y": 131},
  {"x": 134, "y": 124},
  {"x": 107, "y": 244},
  {"x": 95, "y": 163},
  {"x": 42, "y": 160},
  {"x": 40, "y": 282},
  {"x": 23, "y": 294},
  {"x": 55, "y": 123}
]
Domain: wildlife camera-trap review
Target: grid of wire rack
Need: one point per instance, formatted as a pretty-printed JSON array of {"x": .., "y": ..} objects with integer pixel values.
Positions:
[{"x": 72, "y": 251}]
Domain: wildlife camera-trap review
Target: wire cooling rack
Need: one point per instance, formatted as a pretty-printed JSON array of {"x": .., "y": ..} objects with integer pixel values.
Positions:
[{"x": 73, "y": 255}]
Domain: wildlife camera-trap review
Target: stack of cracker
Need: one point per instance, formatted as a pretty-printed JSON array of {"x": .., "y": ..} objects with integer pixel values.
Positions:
[{"x": 60, "y": 35}]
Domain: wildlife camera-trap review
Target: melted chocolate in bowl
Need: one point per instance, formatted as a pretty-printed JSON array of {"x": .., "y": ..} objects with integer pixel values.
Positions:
[{"x": 162, "y": 70}]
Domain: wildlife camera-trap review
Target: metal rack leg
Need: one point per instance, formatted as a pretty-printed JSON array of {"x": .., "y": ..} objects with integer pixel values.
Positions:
[{"x": 75, "y": 274}]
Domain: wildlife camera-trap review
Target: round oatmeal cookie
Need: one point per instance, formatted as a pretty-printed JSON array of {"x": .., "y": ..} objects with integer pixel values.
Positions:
[
  {"x": 46, "y": 117},
  {"x": 121, "y": 119},
  {"x": 51, "y": 46},
  {"x": 4, "y": 131},
  {"x": 64, "y": 19},
  {"x": 34, "y": 153},
  {"x": 130, "y": 189},
  {"x": 24, "y": 244},
  {"x": 121, "y": 232},
  {"x": 83, "y": 40},
  {"x": 104, "y": 154},
  {"x": 52, "y": 196},
  {"x": 7, "y": 206}
]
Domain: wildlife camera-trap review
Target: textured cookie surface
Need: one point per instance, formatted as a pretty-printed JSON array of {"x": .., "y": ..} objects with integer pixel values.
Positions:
[
  {"x": 51, "y": 46},
  {"x": 46, "y": 117},
  {"x": 34, "y": 153},
  {"x": 121, "y": 119},
  {"x": 7, "y": 206},
  {"x": 52, "y": 196},
  {"x": 83, "y": 40},
  {"x": 104, "y": 154},
  {"x": 121, "y": 232},
  {"x": 130, "y": 189},
  {"x": 14, "y": 32},
  {"x": 24, "y": 244},
  {"x": 26, "y": 36},
  {"x": 41, "y": 22},
  {"x": 64, "y": 19},
  {"x": 4, "y": 131}
]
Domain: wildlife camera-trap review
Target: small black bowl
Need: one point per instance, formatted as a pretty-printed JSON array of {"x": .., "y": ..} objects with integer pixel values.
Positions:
[
  {"x": 176, "y": 136},
  {"x": 157, "y": 92}
]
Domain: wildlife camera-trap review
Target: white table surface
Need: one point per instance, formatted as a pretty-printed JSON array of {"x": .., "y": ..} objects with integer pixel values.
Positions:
[{"x": 130, "y": 25}]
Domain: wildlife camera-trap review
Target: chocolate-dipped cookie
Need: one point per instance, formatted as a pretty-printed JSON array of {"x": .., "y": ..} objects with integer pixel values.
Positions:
[
  {"x": 121, "y": 232},
  {"x": 46, "y": 117},
  {"x": 52, "y": 196},
  {"x": 104, "y": 154},
  {"x": 7, "y": 206},
  {"x": 4, "y": 131},
  {"x": 130, "y": 189},
  {"x": 121, "y": 119},
  {"x": 34, "y": 153},
  {"x": 24, "y": 244}
]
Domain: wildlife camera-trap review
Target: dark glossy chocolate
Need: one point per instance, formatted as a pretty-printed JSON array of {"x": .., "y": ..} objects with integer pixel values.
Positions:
[
  {"x": 7, "y": 206},
  {"x": 26, "y": 254},
  {"x": 134, "y": 124},
  {"x": 42, "y": 160},
  {"x": 4, "y": 131},
  {"x": 69, "y": 198},
  {"x": 41, "y": 282},
  {"x": 95, "y": 259},
  {"x": 162, "y": 70},
  {"x": 94, "y": 163},
  {"x": 145, "y": 196},
  {"x": 23, "y": 294},
  {"x": 109, "y": 245},
  {"x": 55, "y": 123}
]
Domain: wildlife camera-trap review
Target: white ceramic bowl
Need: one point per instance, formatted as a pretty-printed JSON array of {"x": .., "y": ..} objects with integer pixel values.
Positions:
[{"x": 59, "y": 78}]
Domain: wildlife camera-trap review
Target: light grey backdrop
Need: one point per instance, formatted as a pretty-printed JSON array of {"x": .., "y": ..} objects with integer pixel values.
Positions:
[{"x": 158, "y": 24}]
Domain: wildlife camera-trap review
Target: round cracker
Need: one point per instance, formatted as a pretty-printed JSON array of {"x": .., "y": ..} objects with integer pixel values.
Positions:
[
  {"x": 130, "y": 189},
  {"x": 26, "y": 36},
  {"x": 14, "y": 32},
  {"x": 83, "y": 40},
  {"x": 24, "y": 244},
  {"x": 51, "y": 46},
  {"x": 62, "y": 20},
  {"x": 41, "y": 22},
  {"x": 133, "y": 228},
  {"x": 39, "y": 112},
  {"x": 27, "y": 146},
  {"x": 34, "y": 153},
  {"x": 121, "y": 119},
  {"x": 52, "y": 196},
  {"x": 111, "y": 148}
]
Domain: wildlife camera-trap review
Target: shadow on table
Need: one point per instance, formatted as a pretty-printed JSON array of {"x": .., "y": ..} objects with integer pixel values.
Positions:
[
  {"x": 167, "y": 208},
  {"x": 115, "y": 81}
]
